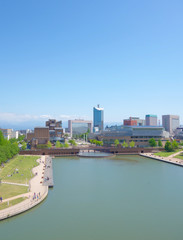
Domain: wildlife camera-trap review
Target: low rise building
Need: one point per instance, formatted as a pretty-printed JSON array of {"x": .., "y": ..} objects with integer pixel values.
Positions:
[
  {"x": 52, "y": 132},
  {"x": 139, "y": 135},
  {"x": 130, "y": 122}
]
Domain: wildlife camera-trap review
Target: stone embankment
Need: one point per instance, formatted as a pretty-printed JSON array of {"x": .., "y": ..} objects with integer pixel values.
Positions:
[
  {"x": 38, "y": 192},
  {"x": 169, "y": 159}
]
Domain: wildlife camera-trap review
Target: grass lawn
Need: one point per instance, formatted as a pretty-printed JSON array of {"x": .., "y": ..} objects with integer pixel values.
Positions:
[
  {"x": 11, "y": 203},
  {"x": 179, "y": 156},
  {"x": 166, "y": 154},
  {"x": 18, "y": 169},
  {"x": 7, "y": 190}
]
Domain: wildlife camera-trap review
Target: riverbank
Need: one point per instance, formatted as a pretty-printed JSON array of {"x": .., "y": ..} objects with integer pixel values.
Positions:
[
  {"x": 38, "y": 192},
  {"x": 170, "y": 159}
]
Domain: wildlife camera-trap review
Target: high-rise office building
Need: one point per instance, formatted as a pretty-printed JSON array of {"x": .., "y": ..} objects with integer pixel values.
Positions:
[
  {"x": 98, "y": 119},
  {"x": 151, "y": 120},
  {"x": 170, "y": 123}
]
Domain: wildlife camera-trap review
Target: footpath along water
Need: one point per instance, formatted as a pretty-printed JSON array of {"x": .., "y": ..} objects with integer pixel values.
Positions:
[{"x": 125, "y": 197}]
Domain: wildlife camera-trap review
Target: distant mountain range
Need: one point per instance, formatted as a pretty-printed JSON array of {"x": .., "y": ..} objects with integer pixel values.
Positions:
[{"x": 32, "y": 124}]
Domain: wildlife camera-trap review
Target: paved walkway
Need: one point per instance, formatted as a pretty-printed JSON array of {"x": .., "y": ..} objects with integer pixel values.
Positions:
[
  {"x": 175, "y": 154},
  {"x": 170, "y": 159},
  {"x": 36, "y": 188}
]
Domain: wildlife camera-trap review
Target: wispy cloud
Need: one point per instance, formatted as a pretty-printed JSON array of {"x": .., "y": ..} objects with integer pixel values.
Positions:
[{"x": 18, "y": 118}]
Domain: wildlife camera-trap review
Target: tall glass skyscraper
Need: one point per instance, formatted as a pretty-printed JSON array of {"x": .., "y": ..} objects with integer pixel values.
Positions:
[{"x": 98, "y": 119}]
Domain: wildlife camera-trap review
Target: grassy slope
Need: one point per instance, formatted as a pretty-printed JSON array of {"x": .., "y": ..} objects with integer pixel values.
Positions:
[
  {"x": 11, "y": 203},
  {"x": 24, "y": 164},
  {"x": 7, "y": 191}
]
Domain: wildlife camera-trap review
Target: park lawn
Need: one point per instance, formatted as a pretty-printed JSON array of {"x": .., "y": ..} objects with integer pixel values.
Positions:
[
  {"x": 18, "y": 169},
  {"x": 11, "y": 203},
  {"x": 166, "y": 154},
  {"x": 8, "y": 191},
  {"x": 179, "y": 156}
]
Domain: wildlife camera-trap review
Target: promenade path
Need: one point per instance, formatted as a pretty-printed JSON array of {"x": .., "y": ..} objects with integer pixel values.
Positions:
[
  {"x": 36, "y": 188},
  {"x": 169, "y": 159}
]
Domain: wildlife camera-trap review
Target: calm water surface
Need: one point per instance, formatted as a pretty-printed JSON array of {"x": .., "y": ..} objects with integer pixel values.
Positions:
[{"x": 122, "y": 198}]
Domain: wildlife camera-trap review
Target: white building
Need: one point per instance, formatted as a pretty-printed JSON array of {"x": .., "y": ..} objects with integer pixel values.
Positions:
[
  {"x": 9, "y": 133},
  {"x": 170, "y": 123}
]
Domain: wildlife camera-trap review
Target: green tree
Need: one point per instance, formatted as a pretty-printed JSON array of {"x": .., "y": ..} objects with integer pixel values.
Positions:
[
  {"x": 57, "y": 145},
  {"x": 66, "y": 145},
  {"x": 124, "y": 144},
  {"x": 24, "y": 145},
  {"x": 152, "y": 142},
  {"x": 49, "y": 144},
  {"x": 175, "y": 144},
  {"x": 168, "y": 146},
  {"x": 132, "y": 144},
  {"x": 99, "y": 143},
  {"x": 93, "y": 141},
  {"x": 2, "y": 139},
  {"x": 160, "y": 144},
  {"x": 116, "y": 142},
  {"x": 72, "y": 142}
]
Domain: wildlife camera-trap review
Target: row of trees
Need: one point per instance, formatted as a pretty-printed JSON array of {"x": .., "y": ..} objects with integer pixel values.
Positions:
[
  {"x": 153, "y": 143},
  {"x": 7, "y": 149},
  {"x": 124, "y": 144},
  {"x": 65, "y": 145},
  {"x": 58, "y": 144},
  {"x": 169, "y": 146},
  {"x": 96, "y": 142}
]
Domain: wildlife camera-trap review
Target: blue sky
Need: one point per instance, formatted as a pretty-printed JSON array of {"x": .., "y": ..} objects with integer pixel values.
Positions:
[{"x": 61, "y": 58}]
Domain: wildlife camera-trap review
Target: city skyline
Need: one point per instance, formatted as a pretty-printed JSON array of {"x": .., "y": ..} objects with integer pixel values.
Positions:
[{"x": 76, "y": 56}]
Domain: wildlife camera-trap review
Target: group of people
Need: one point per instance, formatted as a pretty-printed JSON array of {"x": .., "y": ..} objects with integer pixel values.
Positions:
[{"x": 36, "y": 196}]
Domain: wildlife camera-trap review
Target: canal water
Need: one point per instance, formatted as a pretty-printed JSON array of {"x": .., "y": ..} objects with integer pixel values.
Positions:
[{"x": 122, "y": 198}]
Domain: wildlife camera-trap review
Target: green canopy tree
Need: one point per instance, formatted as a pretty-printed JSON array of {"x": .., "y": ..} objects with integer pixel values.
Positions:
[
  {"x": 132, "y": 144},
  {"x": 168, "y": 146},
  {"x": 2, "y": 139},
  {"x": 160, "y": 144},
  {"x": 57, "y": 145},
  {"x": 49, "y": 144},
  {"x": 66, "y": 145},
  {"x": 116, "y": 142},
  {"x": 72, "y": 142},
  {"x": 175, "y": 144},
  {"x": 152, "y": 142},
  {"x": 125, "y": 144}
]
